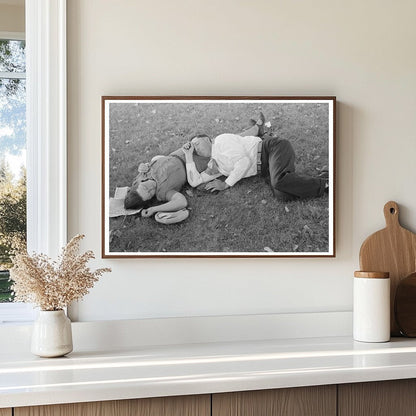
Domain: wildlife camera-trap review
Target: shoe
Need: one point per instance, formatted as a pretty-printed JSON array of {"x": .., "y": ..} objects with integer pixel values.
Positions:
[
  {"x": 261, "y": 120},
  {"x": 260, "y": 123},
  {"x": 324, "y": 174}
]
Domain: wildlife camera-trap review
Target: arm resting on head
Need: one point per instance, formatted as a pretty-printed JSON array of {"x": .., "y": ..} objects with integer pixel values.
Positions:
[{"x": 192, "y": 175}]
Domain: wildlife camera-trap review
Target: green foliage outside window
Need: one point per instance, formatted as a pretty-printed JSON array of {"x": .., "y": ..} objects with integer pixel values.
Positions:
[
  {"x": 12, "y": 224},
  {"x": 12, "y": 146}
]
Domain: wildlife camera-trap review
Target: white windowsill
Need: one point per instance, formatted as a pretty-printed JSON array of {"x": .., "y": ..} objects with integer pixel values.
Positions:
[{"x": 16, "y": 313}]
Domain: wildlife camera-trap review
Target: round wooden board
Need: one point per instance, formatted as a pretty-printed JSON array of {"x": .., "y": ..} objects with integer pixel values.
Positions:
[{"x": 405, "y": 306}]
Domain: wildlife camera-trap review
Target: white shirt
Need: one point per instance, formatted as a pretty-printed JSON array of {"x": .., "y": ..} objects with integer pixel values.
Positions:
[{"x": 236, "y": 158}]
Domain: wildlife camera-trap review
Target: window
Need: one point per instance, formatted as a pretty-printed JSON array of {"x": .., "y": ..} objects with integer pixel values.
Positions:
[
  {"x": 12, "y": 165},
  {"x": 46, "y": 134},
  {"x": 12, "y": 154}
]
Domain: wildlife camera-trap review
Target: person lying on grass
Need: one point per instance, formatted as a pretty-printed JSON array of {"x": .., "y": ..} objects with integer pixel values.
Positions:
[
  {"x": 162, "y": 180},
  {"x": 241, "y": 156}
]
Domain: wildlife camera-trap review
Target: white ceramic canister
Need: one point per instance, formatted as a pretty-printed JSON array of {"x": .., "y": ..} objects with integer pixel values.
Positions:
[{"x": 371, "y": 322}]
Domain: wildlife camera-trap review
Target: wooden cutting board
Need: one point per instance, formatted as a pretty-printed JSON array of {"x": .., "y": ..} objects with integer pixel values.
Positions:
[{"x": 393, "y": 250}]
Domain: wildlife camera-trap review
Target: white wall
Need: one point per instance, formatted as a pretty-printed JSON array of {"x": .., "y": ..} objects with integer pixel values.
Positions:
[{"x": 361, "y": 51}]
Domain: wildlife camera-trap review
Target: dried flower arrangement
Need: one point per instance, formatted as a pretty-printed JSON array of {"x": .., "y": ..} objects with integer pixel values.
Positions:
[{"x": 53, "y": 285}]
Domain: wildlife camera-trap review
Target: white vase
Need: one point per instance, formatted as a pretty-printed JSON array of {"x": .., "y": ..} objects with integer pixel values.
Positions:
[{"x": 52, "y": 334}]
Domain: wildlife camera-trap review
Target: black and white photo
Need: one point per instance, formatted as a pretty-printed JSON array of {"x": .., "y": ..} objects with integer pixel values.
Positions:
[{"x": 218, "y": 176}]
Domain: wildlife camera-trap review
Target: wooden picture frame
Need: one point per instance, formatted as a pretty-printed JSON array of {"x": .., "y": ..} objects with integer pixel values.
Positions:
[{"x": 287, "y": 210}]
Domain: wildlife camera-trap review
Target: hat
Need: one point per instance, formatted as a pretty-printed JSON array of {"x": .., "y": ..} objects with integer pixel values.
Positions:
[{"x": 172, "y": 217}]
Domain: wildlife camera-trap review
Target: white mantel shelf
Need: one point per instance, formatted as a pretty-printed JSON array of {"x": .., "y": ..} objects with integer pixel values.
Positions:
[{"x": 151, "y": 371}]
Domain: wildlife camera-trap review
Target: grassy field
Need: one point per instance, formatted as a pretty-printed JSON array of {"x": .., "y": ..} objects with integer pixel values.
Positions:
[{"x": 244, "y": 218}]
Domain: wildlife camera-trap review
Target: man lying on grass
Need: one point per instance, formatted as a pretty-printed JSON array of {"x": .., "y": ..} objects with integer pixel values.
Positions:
[
  {"x": 162, "y": 180},
  {"x": 241, "y": 156}
]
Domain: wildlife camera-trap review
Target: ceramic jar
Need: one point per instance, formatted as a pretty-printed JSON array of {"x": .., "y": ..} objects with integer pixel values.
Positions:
[
  {"x": 52, "y": 334},
  {"x": 371, "y": 309}
]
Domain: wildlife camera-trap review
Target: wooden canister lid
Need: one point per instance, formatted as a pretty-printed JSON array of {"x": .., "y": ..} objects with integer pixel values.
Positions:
[{"x": 372, "y": 275}]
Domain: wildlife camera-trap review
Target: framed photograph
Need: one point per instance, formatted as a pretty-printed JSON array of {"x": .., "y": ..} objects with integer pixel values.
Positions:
[{"x": 218, "y": 177}]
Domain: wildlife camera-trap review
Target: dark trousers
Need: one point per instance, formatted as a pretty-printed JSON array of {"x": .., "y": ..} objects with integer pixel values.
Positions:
[{"x": 278, "y": 166}]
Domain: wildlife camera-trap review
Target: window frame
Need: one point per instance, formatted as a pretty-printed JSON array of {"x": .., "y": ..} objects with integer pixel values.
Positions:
[
  {"x": 46, "y": 137},
  {"x": 46, "y": 125}
]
